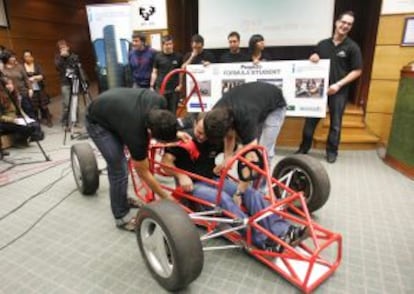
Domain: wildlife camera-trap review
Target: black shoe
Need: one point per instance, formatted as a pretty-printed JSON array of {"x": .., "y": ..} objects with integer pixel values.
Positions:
[
  {"x": 301, "y": 151},
  {"x": 4, "y": 153},
  {"x": 293, "y": 237},
  {"x": 330, "y": 157}
]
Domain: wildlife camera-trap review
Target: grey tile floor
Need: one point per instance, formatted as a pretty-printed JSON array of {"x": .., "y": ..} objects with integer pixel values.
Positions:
[{"x": 54, "y": 240}]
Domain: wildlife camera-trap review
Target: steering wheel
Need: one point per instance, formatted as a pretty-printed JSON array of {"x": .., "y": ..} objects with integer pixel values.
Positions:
[{"x": 245, "y": 172}]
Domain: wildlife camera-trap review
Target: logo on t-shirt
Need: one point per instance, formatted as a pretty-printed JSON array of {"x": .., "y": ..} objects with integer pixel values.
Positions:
[{"x": 341, "y": 54}]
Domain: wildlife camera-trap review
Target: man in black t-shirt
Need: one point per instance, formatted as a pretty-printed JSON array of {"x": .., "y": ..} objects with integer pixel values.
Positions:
[
  {"x": 254, "y": 112},
  {"x": 127, "y": 117},
  {"x": 234, "y": 54},
  {"x": 198, "y": 55},
  {"x": 346, "y": 67},
  {"x": 166, "y": 61},
  {"x": 198, "y": 157}
]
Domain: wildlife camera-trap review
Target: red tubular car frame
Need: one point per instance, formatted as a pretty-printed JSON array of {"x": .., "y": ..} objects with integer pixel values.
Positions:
[{"x": 306, "y": 266}]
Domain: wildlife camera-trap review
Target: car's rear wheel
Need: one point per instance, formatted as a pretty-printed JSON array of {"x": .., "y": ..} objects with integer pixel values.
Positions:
[
  {"x": 84, "y": 168},
  {"x": 305, "y": 174}
]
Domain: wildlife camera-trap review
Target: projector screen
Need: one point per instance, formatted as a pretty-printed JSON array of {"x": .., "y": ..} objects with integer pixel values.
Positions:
[{"x": 282, "y": 23}]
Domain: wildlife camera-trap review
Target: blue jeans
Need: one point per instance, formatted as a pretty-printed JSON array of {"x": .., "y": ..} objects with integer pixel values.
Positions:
[
  {"x": 253, "y": 201},
  {"x": 270, "y": 130},
  {"x": 112, "y": 150},
  {"x": 65, "y": 90}
]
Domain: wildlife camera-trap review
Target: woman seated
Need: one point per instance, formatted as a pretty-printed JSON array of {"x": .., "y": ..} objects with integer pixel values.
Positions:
[{"x": 13, "y": 119}]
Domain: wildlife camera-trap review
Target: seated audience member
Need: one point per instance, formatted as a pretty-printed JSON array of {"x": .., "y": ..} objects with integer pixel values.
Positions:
[
  {"x": 198, "y": 157},
  {"x": 13, "y": 119},
  {"x": 256, "y": 49},
  {"x": 234, "y": 54},
  {"x": 17, "y": 74},
  {"x": 40, "y": 99}
]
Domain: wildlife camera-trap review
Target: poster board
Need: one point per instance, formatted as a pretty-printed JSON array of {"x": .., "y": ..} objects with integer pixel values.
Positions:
[{"x": 304, "y": 84}]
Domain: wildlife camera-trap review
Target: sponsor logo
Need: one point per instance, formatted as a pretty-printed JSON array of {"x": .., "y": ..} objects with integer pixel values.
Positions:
[
  {"x": 310, "y": 108},
  {"x": 341, "y": 54}
]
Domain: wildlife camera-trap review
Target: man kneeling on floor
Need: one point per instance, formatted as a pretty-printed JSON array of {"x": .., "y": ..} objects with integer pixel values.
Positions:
[{"x": 198, "y": 157}]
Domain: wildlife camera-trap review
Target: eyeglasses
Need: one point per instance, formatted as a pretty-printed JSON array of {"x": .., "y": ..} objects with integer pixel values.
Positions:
[{"x": 346, "y": 22}]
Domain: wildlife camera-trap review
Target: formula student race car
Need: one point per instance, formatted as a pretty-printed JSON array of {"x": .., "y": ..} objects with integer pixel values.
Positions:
[{"x": 169, "y": 233}]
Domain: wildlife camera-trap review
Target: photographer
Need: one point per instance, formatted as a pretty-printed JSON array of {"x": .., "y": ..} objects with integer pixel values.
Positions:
[{"x": 68, "y": 65}]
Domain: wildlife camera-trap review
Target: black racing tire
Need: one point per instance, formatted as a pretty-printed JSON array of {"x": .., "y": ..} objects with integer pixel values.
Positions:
[
  {"x": 169, "y": 244},
  {"x": 84, "y": 168},
  {"x": 309, "y": 176}
]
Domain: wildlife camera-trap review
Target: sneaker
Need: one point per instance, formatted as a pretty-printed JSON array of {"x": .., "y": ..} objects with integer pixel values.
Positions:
[
  {"x": 294, "y": 236},
  {"x": 331, "y": 157},
  {"x": 126, "y": 224}
]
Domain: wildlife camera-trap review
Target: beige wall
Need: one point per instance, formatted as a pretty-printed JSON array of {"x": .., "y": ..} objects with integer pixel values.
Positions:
[{"x": 389, "y": 58}]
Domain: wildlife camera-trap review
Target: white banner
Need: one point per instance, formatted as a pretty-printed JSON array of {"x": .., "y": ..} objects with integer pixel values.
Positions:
[
  {"x": 148, "y": 15},
  {"x": 304, "y": 84}
]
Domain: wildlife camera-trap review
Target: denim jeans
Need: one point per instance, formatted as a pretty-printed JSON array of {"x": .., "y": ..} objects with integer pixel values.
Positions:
[
  {"x": 253, "y": 201},
  {"x": 270, "y": 130},
  {"x": 65, "y": 90},
  {"x": 112, "y": 150},
  {"x": 336, "y": 104}
]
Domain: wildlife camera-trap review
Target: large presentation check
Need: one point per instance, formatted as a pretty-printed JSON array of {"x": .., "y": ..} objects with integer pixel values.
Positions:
[{"x": 304, "y": 84}]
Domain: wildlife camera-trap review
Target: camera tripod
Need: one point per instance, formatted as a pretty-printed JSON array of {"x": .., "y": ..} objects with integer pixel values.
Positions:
[{"x": 78, "y": 86}]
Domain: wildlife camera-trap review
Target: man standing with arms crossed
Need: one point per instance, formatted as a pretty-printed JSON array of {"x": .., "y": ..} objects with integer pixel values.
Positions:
[{"x": 346, "y": 67}]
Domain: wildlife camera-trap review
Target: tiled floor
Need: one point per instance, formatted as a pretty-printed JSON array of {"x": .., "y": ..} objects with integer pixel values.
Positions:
[{"x": 54, "y": 240}]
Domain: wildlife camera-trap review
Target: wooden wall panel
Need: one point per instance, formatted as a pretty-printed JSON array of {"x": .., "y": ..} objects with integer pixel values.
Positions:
[
  {"x": 37, "y": 25},
  {"x": 291, "y": 132},
  {"x": 379, "y": 124},
  {"x": 389, "y": 60},
  {"x": 382, "y": 95},
  {"x": 389, "y": 30}
]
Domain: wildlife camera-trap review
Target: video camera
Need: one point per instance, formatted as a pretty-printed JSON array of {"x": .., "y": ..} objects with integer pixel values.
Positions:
[{"x": 74, "y": 71}]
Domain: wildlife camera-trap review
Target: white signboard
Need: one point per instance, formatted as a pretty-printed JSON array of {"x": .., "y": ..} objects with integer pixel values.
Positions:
[
  {"x": 304, "y": 84},
  {"x": 148, "y": 15}
]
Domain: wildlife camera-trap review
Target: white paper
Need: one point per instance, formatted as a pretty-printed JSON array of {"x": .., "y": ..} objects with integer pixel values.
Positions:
[{"x": 23, "y": 122}]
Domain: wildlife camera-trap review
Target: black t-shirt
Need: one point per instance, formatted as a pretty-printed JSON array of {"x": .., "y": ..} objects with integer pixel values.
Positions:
[
  {"x": 263, "y": 57},
  {"x": 123, "y": 111},
  {"x": 229, "y": 57},
  {"x": 203, "y": 165},
  {"x": 251, "y": 103},
  {"x": 200, "y": 58},
  {"x": 165, "y": 63},
  {"x": 344, "y": 57}
]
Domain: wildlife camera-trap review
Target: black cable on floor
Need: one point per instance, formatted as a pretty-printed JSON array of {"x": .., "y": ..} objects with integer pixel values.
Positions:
[
  {"x": 28, "y": 176},
  {"x": 37, "y": 221},
  {"x": 42, "y": 191}
]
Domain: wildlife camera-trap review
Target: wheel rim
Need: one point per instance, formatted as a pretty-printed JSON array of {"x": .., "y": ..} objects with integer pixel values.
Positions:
[
  {"x": 156, "y": 248},
  {"x": 77, "y": 172},
  {"x": 300, "y": 181}
]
